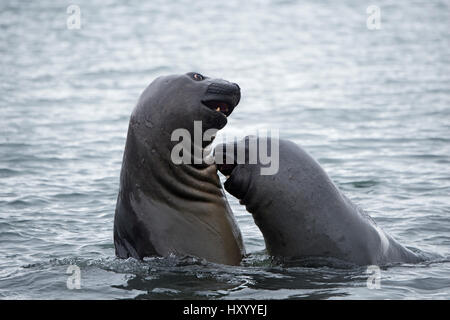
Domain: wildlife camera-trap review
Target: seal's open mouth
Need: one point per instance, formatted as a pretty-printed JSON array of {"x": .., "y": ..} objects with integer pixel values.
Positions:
[{"x": 219, "y": 106}]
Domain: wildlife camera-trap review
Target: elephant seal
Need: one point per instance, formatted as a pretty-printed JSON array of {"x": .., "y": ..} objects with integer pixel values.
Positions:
[
  {"x": 165, "y": 208},
  {"x": 299, "y": 210}
]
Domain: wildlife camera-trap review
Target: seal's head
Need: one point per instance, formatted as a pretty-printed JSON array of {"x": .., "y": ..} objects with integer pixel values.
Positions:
[
  {"x": 176, "y": 101},
  {"x": 240, "y": 164}
]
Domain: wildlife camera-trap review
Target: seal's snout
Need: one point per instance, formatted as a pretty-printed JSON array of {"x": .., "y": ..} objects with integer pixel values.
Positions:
[
  {"x": 238, "y": 95},
  {"x": 222, "y": 96},
  {"x": 225, "y": 88}
]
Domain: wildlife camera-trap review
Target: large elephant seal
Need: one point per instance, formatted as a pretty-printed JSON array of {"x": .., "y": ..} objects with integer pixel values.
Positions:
[
  {"x": 165, "y": 208},
  {"x": 301, "y": 213}
]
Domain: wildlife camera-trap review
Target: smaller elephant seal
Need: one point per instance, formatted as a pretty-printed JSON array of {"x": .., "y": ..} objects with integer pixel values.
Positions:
[
  {"x": 299, "y": 210},
  {"x": 166, "y": 208}
]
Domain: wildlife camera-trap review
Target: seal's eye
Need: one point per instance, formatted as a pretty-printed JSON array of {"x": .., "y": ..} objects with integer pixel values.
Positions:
[{"x": 198, "y": 77}]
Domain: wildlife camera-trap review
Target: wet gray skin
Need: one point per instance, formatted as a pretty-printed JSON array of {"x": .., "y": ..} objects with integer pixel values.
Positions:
[
  {"x": 301, "y": 213},
  {"x": 181, "y": 209}
]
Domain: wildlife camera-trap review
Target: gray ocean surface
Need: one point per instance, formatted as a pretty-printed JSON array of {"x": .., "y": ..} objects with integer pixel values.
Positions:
[{"x": 372, "y": 106}]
